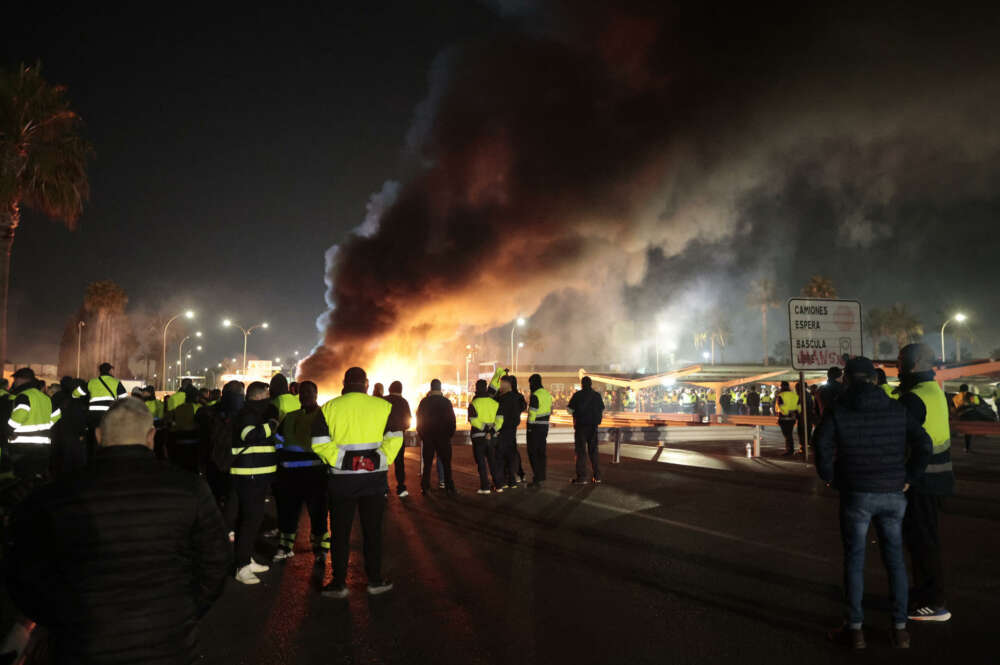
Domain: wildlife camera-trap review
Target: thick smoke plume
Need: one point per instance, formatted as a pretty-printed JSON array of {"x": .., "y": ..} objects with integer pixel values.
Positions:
[{"x": 562, "y": 153}]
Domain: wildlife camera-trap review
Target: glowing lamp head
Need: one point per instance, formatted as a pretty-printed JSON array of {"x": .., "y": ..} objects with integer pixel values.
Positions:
[
  {"x": 263, "y": 325},
  {"x": 520, "y": 345},
  {"x": 706, "y": 355},
  {"x": 227, "y": 323},
  {"x": 189, "y": 314},
  {"x": 198, "y": 347},
  {"x": 520, "y": 321},
  {"x": 960, "y": 317},
  {"x": 198, "y": 334}
]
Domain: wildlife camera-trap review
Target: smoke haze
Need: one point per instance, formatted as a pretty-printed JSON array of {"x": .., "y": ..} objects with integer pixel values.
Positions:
[{"x": 596, "y": 163}]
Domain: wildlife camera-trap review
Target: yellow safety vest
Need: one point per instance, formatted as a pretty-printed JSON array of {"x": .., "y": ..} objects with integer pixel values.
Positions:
[
  {"x": 486, "y": 416},
  {"x": 789, "y": 402},
  {"x": 936, "y": 422},
  {"x": 544, "y": 410},
  {"x": 356, "y": 424},
  {"x": 285, "y": 404}
]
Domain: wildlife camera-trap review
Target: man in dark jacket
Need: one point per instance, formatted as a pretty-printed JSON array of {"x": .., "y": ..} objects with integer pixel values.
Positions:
[
  {"x": 114, "y": 585},
  {"x": 587, "y": 409},
  {"x": 512, "y": 405},
  {"x": 923, "y": 397},
  {"x": 435, "y": 425},
  {"x": 399, "y": 421},
  {"x": 830, "y": 391},
  {"x": 753, "y": 401},
  {"x": 69, "y": 434},
  {"x": 872, "y": 449}
]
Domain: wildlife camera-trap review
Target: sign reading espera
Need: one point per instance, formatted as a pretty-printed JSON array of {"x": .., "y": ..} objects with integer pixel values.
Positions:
[{"x": 823, "y": 333}]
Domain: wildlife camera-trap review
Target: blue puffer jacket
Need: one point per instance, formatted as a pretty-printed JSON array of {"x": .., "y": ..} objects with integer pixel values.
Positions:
[{"x": 870, "y": 443}]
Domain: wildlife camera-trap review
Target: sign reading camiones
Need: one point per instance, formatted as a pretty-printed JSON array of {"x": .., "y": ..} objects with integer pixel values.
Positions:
[{"x": 823, "y": 332}]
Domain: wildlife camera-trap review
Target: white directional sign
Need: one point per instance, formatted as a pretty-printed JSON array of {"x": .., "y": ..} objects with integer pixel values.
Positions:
[{"x": 822, "y": 332}]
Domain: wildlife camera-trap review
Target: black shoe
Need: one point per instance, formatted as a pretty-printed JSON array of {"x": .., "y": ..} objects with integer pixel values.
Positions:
[
  {"x": 597, "y": 481},
  {"x": 334, "y": 590},
  {"x": 787, "y": 453},
  {"x": 900, "y": 638},
  {"x": 535, "y": 484},
  {"x": 851, "y": 637},
  {"x": 379, "y": 586},
  {"x": 451, "y": 491},
  {"x": 402, "y": 493},
  {"x": 441, "y": 486},
  {"x": 579, "y": 481}
]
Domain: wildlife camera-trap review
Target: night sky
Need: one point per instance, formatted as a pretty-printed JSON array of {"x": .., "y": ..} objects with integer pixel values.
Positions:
[
  {"x": 650, "y": 161},
  {"x": 232, "y": 150}
]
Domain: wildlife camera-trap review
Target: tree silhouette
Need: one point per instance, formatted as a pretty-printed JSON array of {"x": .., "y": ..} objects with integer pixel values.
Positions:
[
  {"x": 43, "y": 161},
  {"x": 762, "y": 296},
  {"x": 819, "y": 287}
]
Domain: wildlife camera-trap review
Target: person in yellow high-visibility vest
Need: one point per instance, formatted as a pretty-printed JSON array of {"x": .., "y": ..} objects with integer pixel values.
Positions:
[
  {"x": 353, "y": 439},
  {"x": 787, "y": 404},
  {"x": 926, "y": 402},
  {"x": 539, "y": 412}
]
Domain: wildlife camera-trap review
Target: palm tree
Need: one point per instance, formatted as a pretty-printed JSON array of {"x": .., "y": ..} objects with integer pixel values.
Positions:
[
  {"x": 43, "y": 161},
  {"x": 762, "y": 296},
  {"x": 903, "y": 325},
  {"x": 717, "y": 331},
  {"x": 877, "y": 327},
  {"x": 819, "y": 287}
]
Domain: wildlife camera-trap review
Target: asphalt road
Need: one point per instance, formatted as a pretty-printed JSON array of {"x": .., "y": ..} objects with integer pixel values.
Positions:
[{"x": 709, "y": 558}]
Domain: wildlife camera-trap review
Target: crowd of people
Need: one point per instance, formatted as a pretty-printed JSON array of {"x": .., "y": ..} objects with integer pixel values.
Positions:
[
  {"x": 203, "y": 463},
  {"x": 195, "y": 470}
]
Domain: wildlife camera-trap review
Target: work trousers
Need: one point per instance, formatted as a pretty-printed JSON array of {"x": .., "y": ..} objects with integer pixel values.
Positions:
[
  {"x": 245, "y": 512},
  {"x": 370, "y": 509},
  {"x": 506, "y": 459},
  {"x": 585, "y": 443},
  {"x": 537, "y": 437},
  {"x": 787, "y": 430},
  {"x": 920, "y": 533},
  {"x": 399, "y": 466},
  {"x": 295, "y": 487},
  {"x": 442, "y": 448},
  {"x": 482, "y": 453}
]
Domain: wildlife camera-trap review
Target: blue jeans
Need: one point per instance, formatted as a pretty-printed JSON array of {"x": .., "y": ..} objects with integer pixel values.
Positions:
[{"x": 857, "y": 511}]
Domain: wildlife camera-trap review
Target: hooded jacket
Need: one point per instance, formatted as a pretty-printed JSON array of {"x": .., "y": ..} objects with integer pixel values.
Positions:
[{"x": 870, "y": 443}]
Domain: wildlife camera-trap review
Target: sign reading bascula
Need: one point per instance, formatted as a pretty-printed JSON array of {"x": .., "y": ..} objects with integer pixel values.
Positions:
[{"x": 823, "y": 332}]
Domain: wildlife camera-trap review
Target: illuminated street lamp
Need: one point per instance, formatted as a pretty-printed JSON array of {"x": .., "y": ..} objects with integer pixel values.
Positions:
[
  {"x": 513, "y": 328},
  {"x": 958, "y": 318},
  {"x": 517, "y": 354},
  {"x": 246, "y": 333},
  {"x": 706, "y": 355},
  {"x": 188, "y": 314},
  {"x": 180, "y": 347}
]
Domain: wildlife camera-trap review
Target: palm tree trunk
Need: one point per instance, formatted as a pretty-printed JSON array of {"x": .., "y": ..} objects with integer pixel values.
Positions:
[
  {"x": 763, "y": 330},
  {"x": 9, "y": 219}
]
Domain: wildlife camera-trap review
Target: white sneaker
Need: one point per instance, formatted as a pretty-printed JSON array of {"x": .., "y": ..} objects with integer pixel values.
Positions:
[
  {"x": 232, "y": 536},
  {"x": 245, "y": 575},
  {"x": 257, "y": 567},
  {"x": 482, "y": 491},
  {"x": 282, "y": 554}
]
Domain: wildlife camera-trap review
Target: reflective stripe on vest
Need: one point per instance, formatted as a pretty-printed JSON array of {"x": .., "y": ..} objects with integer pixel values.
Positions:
[
  {"x": 936, "y": 421},
  {"x": 356, "y": 423},
  {"x": 253, "y": 471}
]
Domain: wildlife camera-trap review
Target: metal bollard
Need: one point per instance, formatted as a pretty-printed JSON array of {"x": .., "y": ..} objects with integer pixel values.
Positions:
[
  {"x": 756, "y": 440},
  {"x": 616, "y": 434}
]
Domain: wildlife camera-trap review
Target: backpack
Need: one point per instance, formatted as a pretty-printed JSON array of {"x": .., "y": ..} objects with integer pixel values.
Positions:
[{"x": 221, "y": 442}]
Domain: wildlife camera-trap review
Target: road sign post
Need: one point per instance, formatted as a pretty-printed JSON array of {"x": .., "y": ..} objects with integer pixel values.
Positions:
[{"x": 823, "y": 333}]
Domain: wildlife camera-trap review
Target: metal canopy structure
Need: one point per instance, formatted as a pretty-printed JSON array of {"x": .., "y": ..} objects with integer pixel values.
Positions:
[{"x": 713, "y": 377}]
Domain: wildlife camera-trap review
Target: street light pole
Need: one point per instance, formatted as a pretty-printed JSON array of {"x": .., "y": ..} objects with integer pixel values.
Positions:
[
  {"x": 163, "y": 364},
  {"x": 513, "y": 328},
  {"x": 246, "y": 335},
  {"x": 517, "y": 355},
  {"x": 959, "y": 318},
  {"x": 79, "y": 344}
]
